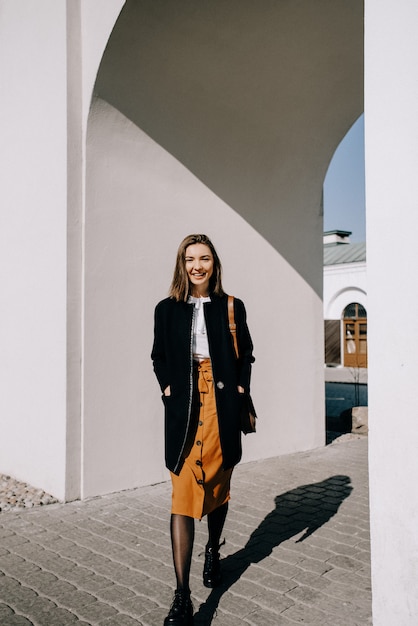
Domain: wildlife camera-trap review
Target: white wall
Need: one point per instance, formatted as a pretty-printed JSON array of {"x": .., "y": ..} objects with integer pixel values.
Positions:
[
  {"x": 391, "y": 140},
  {"x": 141, "y": 202},
  {"x": 49, "y": 55},
  {"x": 33, "y": 233}
]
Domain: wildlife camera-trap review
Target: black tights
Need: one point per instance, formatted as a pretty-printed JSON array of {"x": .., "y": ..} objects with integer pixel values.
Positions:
[
  {"x": 182, "y": 538},
  {"x": 216, "y": 521}
]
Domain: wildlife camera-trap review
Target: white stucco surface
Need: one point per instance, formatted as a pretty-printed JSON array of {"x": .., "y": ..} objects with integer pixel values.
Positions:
[
  {"x": 391, "y": 141},
  {"x": 33, "y": 233},
  {"x": 49, "y": 55}
]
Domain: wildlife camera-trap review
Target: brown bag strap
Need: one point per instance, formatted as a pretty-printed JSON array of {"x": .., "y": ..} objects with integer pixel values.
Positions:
[{"x": 232, "y": 325}]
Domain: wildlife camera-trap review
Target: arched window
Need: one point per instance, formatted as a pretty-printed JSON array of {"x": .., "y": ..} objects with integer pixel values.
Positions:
[{"x": 355, "y": 335}]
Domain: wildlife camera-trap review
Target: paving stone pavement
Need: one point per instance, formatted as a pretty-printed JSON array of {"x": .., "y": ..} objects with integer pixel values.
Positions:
[{"x": 297, "y": 551}]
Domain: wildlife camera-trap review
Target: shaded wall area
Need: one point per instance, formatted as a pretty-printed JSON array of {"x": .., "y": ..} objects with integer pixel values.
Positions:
[{"x": 253, "y": 99}]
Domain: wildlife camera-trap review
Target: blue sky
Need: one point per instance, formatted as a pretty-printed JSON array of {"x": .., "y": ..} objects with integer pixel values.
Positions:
[{"x": 344, "y": 203}]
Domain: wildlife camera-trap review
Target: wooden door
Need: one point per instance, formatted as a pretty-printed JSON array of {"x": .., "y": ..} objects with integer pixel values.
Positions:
[{"x": 355, "y": 336}]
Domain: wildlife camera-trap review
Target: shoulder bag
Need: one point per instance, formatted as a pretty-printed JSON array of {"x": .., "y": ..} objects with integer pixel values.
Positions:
[{"x": 248, "y": 414}]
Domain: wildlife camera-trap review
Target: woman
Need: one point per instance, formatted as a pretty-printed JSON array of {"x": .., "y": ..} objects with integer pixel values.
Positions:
[{"x": 203, "y": 385}]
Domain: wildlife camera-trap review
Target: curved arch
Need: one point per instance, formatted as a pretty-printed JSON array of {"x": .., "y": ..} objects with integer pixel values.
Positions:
[
  {"x": 220, "y": 119},
  {"x": 253, "y": 102},
  {"x": 343, "y": 298},
  {"x": 98, "y": 20},
  {"x": 344, "y": 185}
]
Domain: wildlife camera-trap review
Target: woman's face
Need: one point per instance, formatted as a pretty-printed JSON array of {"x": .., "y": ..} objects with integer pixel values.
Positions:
[{"x": 199, "y": 268}]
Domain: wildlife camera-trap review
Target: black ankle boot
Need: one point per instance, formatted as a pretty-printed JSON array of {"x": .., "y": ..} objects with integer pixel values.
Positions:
[
  {"x": 211, "y": 568},
  {"x": 181, "y": 612}
]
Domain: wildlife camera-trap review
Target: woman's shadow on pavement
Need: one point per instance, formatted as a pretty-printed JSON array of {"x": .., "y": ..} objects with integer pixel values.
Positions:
[{"x": 305, "y": 508}]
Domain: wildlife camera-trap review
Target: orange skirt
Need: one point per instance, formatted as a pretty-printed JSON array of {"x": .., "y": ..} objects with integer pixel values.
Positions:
[{"x": 202, "y": 485}]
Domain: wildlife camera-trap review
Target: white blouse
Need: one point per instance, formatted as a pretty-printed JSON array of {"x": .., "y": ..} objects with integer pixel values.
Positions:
[{"x": 200, "y": 338}]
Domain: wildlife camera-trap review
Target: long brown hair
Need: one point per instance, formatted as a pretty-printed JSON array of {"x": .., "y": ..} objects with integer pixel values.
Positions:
[{"x": 180, "y": 286}]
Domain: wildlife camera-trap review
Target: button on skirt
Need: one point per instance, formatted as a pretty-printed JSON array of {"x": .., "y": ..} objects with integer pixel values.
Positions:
[{"x": 202, "y": 485}]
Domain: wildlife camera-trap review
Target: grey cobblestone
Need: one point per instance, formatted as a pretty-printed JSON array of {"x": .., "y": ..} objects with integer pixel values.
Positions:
[
  {"x": 96, "y": 612},
  {"x": 17, "y": 620},
  {"x": 5, "y": 612},
  {"x": 260, "y": 617},
  {"x": 272, "y": 601},
  {"x": 303, "y": 614},
  {"x": 226, "y": 619},
  {"x": 297, "y": 552},
  {"x": 121, "y": 620}
]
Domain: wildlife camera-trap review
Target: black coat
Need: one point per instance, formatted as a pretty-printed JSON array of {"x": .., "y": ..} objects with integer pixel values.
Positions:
[{"x": 172, "y": 358}]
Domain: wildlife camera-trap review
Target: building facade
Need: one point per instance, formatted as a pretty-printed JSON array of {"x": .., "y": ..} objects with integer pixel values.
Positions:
[{"x": 345, "y": 301}]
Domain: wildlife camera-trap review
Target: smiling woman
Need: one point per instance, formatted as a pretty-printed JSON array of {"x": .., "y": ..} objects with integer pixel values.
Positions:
[
  {"x": 196, "y": 254},
  {"x": 203, "y": 384}
]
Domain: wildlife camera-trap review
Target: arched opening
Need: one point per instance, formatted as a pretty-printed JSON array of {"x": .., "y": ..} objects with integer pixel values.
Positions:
[
  {"x": 344, "y": 250},
  {"x": 218, "y": 120},
  {"x": 344, "y": 186}
]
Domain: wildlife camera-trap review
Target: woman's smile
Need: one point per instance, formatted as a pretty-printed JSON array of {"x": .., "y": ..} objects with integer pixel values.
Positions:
[{"x": 199, "y": 268}]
